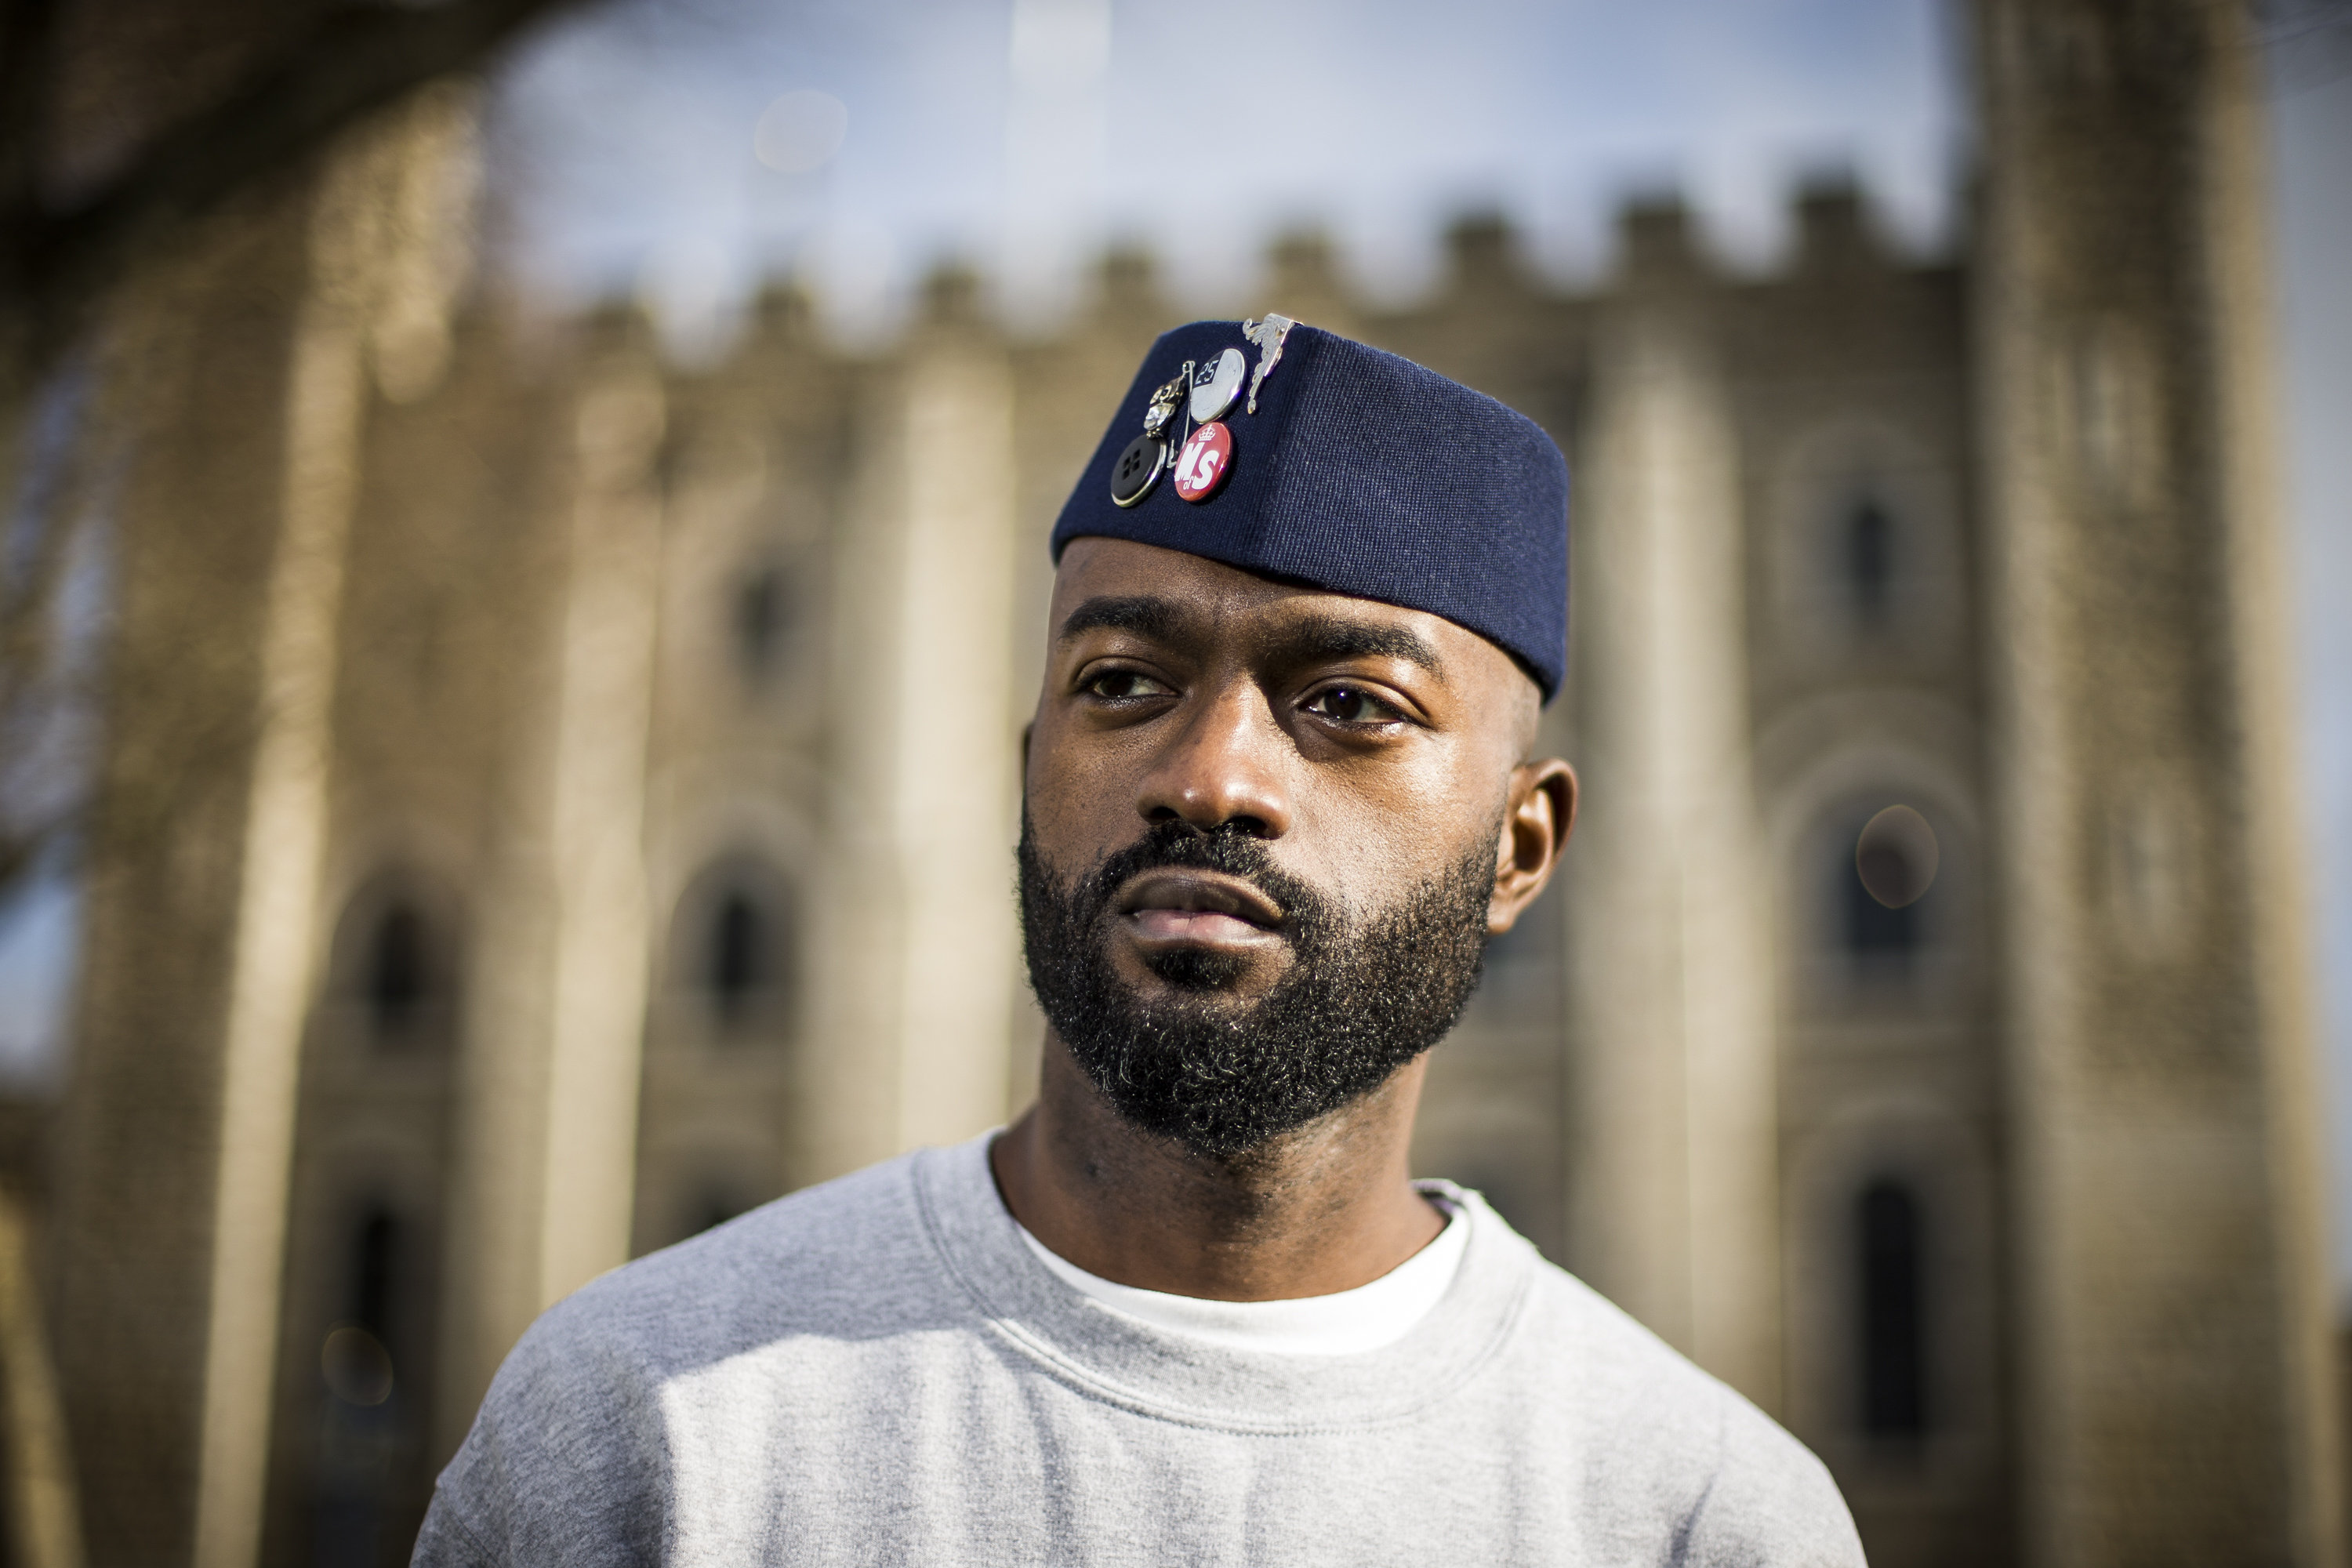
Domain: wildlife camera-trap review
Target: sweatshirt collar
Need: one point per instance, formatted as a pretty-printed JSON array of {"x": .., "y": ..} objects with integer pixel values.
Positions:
[{"x": 1121, "y": 1361}]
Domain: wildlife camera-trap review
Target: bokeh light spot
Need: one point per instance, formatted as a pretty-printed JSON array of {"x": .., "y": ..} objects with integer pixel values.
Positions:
[
  {"x": 800, "y": 132},
  {"x": 1896, "y": 857},
  {"x": 357, "y": 1367}
]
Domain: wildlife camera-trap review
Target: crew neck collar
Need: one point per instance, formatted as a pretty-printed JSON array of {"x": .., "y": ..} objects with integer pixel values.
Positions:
[
  {"x": 1370, "y": 1317},
  {"x": 1123, "y": 1360}
]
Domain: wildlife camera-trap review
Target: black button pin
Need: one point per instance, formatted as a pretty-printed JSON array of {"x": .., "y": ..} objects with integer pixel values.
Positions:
[{"x": 1137, "y": 469}]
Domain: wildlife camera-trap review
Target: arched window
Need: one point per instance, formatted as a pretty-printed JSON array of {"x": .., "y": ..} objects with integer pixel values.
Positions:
[
  {"x": 356, "y": 1359},
  {"x": 393, "y": 972},
  {"x": 375, "y": 1253},
  {"x": 1868, "y": 549},
  {"x": 1893, "y": 1341},
  {"x": 741, "y": 956},
  {"x": 732, "y": 946},
  {"x": 1874, "y": 933},
  {"x": 399, "y": 971},
  {"x": 1880, "y": 874},
  {"x": 364, "y": 1454},
  {"x": 761, "y": 620}
]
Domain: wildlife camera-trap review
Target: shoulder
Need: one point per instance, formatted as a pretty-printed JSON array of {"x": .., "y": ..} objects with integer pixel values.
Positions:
[
  {"x": 1682, "y": 1448},
  {"x": 849, "y": 1250},
  {"x": 567, "y": 1458}
]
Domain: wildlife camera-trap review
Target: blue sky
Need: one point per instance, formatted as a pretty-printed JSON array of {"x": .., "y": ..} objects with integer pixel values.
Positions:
[
  {"x": 1200, "y": 130},
  {"x": 2313, "y": 120}
]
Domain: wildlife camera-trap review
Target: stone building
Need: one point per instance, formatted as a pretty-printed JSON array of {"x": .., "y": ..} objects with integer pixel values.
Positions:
[{"x": 556, "y": 801}]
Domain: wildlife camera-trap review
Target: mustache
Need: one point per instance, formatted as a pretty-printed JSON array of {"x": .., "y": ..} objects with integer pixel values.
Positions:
[
  {"x": 1363, "y": 994},
  {"x": 1228, "y": 847}
]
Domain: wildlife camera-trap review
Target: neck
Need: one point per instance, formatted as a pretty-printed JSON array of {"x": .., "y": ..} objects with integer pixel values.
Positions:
[{"x": 1323, "y": 1209}]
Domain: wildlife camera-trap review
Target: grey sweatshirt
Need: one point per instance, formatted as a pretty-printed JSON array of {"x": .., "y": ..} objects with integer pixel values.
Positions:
[{"x": 878, "y": 1370}]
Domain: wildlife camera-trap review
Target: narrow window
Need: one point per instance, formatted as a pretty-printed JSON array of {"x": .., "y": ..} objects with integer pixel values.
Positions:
[
  {"x": 374, "y": 1256},
  {"x": 761, "y": 617},
  {"x": 355, "y": 1360},
  {"x": 731, "y": 954},
  {"x": 398, "y": 978},
  {"x": 738, "y": 956},
  {"x": 1892, "y": 1348},
  {"x": 1869, "y": 562}
]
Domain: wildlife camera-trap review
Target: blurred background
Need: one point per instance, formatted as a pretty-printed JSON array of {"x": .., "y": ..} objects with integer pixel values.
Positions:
[{"x": 524, "y": 570}]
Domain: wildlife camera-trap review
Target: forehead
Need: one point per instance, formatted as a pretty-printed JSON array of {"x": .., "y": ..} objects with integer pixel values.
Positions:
[{"x": 1211, "y": 597}]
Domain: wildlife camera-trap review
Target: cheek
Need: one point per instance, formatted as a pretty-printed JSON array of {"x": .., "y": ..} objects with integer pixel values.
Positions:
[
  {"x": 1073, "y": 802},
  {"x": 1360, "y": 851},
  {"x": 1413, "y": 827}
]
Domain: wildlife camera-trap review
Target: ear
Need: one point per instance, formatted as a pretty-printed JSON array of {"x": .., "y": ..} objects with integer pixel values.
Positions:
[{"x": 1538, "y": 815}]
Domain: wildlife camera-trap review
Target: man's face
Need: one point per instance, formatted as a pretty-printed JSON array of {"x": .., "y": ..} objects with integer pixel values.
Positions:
[{"x": 1262, "y": 832}]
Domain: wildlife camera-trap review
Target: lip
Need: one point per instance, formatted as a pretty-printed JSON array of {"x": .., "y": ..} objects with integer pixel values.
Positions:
[{"x": 1176, "y": 906}]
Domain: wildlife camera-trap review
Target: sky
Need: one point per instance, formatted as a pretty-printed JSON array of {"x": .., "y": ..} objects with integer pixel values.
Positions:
[
  {"x": 686, "y": 149},
  {"x": 1022, "y": 135},
  {"x": 2311, "y": 118}
]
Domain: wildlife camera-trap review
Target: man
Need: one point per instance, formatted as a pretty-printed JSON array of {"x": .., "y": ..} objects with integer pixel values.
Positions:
[{"x": 1191, "y": 1308}]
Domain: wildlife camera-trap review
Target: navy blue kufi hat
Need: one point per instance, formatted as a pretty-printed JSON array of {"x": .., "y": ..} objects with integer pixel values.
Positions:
[{"x": 1360, "y": 473}]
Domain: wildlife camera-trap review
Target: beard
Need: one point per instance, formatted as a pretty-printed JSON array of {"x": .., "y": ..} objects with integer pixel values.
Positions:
[{"x": 1223, "y": 1074}]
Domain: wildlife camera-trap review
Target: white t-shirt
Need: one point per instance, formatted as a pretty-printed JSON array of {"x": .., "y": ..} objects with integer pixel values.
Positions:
[{"x": 1347, "y": 1322}]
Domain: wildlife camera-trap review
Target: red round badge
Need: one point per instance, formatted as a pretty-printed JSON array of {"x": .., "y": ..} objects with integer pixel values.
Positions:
[{"x": 1201, "y": 466}]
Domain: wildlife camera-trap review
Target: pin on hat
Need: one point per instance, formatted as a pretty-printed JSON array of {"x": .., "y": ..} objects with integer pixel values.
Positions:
[
  {"x": 1137, "y": 469},
  {"x": 1267, "y": 335},
  {"x": 1216, "y": 383},
  {"x": 1162, "y": 411},
  {"x": 1205, "y": 461},
  {"x": 1140, "y": 465}
]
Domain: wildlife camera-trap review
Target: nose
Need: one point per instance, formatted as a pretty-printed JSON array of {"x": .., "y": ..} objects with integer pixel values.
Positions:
[{"x": 1223, "y": 765}]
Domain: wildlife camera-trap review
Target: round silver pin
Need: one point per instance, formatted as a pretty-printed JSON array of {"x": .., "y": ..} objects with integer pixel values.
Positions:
[{"x": 1216, "y": 383}]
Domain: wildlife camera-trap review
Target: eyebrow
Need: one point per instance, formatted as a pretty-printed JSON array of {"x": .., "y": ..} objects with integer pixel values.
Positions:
[
  {"x": 1317, "y": 638},
  {"x": 1139, "y": 613},
  {"x": 1308, "y": 639}
]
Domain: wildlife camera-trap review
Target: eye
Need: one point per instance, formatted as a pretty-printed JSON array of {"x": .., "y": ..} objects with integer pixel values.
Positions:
[
  {"x": 1124, "y": 686},
  {"x": 1352, "y": 705}
]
